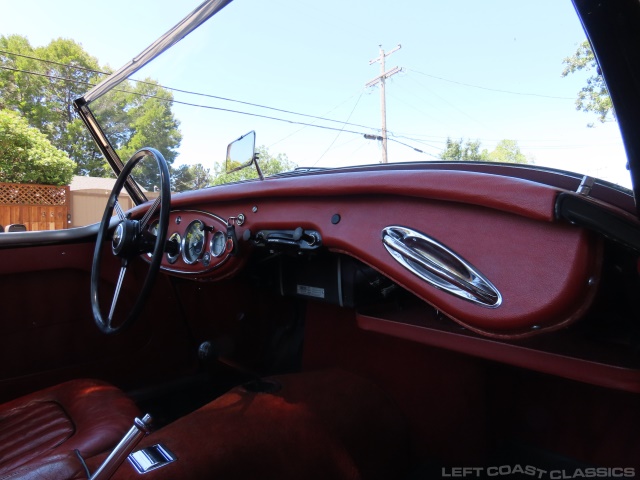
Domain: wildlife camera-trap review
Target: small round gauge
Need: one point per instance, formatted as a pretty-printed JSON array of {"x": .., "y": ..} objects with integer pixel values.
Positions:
[
  {"x": 218, "y": 244},
  {"x": 193, "y": 242},
  {"x": 153, "y": 230},
  {"x": 172, "y": 257}
]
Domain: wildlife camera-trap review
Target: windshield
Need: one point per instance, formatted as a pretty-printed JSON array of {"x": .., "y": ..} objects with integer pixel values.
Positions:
[{"x": 500, "y": 82}]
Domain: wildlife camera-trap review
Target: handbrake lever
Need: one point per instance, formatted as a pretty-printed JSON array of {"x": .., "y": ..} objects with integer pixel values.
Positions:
[{"x": 139, "y": 430}]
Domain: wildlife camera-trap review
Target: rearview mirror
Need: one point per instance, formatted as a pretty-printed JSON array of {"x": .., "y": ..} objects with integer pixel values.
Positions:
[{"x": 241, "y": 152}]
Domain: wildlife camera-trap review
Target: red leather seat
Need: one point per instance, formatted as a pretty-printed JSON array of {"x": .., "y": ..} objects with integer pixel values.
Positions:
[{"x": 37, "y": 429}]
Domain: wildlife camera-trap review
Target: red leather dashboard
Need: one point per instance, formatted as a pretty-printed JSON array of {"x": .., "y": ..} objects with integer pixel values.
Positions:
[{"x": 546, "y": 270}]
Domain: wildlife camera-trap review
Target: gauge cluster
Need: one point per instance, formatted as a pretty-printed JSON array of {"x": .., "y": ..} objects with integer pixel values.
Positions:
[{"x": 201, "y": 240}]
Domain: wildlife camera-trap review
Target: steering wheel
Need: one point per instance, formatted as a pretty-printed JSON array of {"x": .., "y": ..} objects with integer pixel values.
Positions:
[{"x": 131, "y": 238}]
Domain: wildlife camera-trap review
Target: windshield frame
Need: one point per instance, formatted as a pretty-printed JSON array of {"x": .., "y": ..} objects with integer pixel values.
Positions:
[
  {"x": 188, "y": 24},
  {"x": 612, "y": 31}
]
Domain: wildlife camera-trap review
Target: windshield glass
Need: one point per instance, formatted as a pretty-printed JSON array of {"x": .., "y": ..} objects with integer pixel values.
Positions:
[{"x": 504, "y": 81}]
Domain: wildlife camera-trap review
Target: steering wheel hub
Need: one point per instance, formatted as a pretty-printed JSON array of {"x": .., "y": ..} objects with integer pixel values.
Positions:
[{"x": 125, "y": 238}]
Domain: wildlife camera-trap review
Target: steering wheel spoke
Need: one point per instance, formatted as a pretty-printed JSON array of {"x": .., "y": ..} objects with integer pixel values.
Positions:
[
  {"x": 116, "y": 294},
  {"x": 127, "y": 243},
  {"x": 150, "y": 212},
  {"x": 119, "y": 211}
]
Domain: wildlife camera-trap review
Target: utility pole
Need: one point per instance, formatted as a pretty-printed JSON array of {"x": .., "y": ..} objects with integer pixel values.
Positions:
[{"x": 383, "y": 103}]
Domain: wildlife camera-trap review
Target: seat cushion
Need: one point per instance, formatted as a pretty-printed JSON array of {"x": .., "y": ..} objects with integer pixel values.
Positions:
[
  {"x": 87, "y": 415},
  {"x": 65, "y": 466}
]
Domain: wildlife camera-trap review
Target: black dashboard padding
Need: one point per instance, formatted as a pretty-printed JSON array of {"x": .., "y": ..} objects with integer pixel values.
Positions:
[{"x": 585, "y": 212}]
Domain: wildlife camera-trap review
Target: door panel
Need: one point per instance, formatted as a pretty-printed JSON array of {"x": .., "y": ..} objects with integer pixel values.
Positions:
[{"x": 47, "y": 333}]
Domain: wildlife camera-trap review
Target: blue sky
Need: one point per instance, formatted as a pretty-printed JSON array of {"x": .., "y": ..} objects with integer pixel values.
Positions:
[{"x": 313, "y": 57}]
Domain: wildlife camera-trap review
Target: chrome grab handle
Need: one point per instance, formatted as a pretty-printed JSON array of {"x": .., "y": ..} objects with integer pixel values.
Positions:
[{"x": 439, "y": 266}]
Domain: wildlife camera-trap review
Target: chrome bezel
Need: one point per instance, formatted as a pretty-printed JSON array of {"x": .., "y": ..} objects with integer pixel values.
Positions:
[
  {"x": 218, "y": 234},
  {"x": 172, "y": 258},
  {"x": 219, "y": 262},
  {"x": 155, "y": 223},
  {"x": 184, "y": 242}
]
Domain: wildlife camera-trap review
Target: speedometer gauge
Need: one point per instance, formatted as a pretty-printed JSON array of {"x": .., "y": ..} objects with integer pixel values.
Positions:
[{"x": 193, "y": 242}]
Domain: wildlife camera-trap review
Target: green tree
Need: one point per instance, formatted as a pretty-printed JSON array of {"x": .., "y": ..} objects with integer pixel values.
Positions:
[
  {"x": 190, "y": 177},
  {"x": 36, "y": 89},
  {"x": 459, "y": 150},
  {"x": 42, "y": 84},
  {"x": 150, "y": 123},
  {"x": 594, "y": 96},
  {"x": 80, "y": 146},
  {"x": 182, "y": 178},
  {"x": 201, "y": 176},
  {"x": 269, "y": 164},
  {"x": 508, "y": 151},
  {"x": 27, "y": 156}
]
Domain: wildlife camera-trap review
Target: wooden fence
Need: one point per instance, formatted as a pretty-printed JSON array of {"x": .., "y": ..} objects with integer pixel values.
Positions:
[
  {"x": 87, "y": 206},
  {"x": 46, "y": 207},
  {"x": 38, "y": 207}
]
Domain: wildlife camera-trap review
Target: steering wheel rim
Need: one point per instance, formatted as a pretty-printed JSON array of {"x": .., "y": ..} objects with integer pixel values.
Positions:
[{"x": 128, "y": 242}]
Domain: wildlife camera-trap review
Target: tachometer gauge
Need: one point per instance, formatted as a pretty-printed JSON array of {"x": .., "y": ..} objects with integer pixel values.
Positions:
[
  {"x": 193, "y": 242},
  {"x": 175, "y": 237},
  {"x": 218, "y": 244}
]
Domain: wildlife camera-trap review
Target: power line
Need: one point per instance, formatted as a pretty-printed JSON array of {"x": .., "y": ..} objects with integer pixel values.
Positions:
[
  {"x": 487, "y": 88},
  {"x": 68, "y": 65},
  {"x": 340, "y": 130},
  {"x": 300, "y": 129},
  {"x": 419, "y": 141},
  {"x": 399, "y": 135},
  {"x": 447, "y": 102},
  {"x": 53, "y": 77},
  {"x": 187, "y": 92},
  {"x": 209, "y": 107},
  {"x": 294, "y": 122},
  {"x": 266, "y": 107},
  {"x": 334, "y": 140},
  {"x": 413, "y": 148}
]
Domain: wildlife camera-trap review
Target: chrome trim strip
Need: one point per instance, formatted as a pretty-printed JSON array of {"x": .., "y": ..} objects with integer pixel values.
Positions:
[
  {"x": 439, "y": 266},
  {"x": 202, "y": 212},
  {"x": 197, "y": 17}
]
